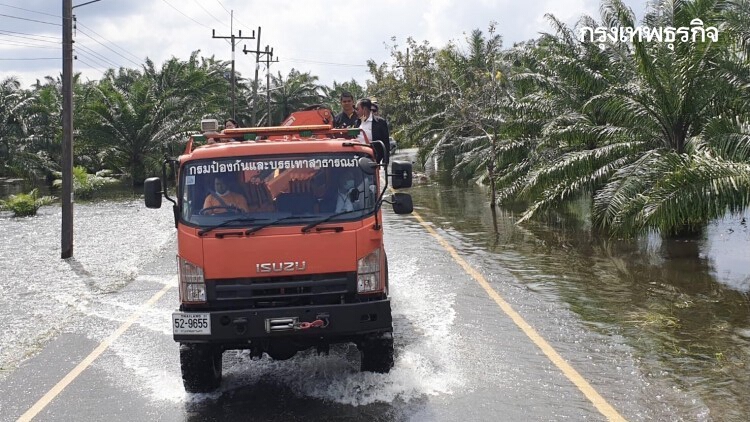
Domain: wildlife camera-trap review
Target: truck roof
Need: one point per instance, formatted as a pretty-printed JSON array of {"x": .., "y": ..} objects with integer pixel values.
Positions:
[{"x": 276, "y": 140}]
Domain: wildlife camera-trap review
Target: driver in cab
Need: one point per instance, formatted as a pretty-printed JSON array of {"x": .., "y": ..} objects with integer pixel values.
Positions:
[{"x": 222, "y": 200}]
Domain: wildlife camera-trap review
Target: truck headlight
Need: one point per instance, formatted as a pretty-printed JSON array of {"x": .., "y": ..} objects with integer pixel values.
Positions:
[
  {"x": 192, "y": 283},
  {"x": 368, "y": 273}
]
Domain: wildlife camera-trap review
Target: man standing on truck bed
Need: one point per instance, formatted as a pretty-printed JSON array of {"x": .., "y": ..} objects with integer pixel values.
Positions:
[
  {"x": 348, "y": 116},
  {"x": 375, "y": 127}
]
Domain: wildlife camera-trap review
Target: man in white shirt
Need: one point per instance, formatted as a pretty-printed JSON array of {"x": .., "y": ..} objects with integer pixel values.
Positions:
[
  {"x": 365, "y": 121},
  {"x": 346, "y": 183},
  {"x": 375, "y": 127}
]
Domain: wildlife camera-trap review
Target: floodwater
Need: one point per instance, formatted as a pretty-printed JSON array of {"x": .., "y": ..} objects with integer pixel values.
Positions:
[
  {"x": 681, "y": 305},
  {"x": 40, "y": 293},
  {"x": 678, "y": 310}
]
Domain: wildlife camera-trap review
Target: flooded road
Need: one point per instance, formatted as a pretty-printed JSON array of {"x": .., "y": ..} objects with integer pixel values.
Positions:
[
  {"x": 682, "y": 306},
  {"x": 660, "y": 330}
]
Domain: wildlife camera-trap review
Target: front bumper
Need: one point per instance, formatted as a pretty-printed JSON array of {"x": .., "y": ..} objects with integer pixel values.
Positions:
[{"x": 344, "y": 322}]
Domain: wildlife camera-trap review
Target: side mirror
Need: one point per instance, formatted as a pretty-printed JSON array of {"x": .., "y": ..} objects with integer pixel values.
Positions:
[
  {"x": 402, "y": 203},
  {"x": 381, "y": 152},
  {"x": 152, "y": 192},
  {"x": 367, "y": 165},
  {"x": 401, "y": 174}
]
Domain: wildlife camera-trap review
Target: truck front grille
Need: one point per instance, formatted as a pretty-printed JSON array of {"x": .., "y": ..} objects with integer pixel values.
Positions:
[{"x": 268, "y": 292}]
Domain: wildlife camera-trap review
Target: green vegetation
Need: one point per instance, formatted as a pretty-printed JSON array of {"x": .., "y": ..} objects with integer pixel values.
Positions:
[
  {"x": 85, "y": 184},
  {"x": 656, "y": 136},
  {"x": 648, "y": 135},
  {"x": 25, "y": 204},
  {"x": 129, "y": 119}
]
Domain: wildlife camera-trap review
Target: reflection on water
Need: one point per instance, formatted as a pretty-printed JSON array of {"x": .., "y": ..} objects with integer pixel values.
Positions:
[{"x": 682, "y": 305}]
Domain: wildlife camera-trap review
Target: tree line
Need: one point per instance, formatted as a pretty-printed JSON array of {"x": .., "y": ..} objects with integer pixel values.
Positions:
[
  {"x": 127, "y": 120},
  {"x": 655, "y": 136}
]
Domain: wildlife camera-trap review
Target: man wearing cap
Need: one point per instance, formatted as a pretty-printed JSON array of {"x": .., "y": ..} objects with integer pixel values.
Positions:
[{"x": 348, "y": 115}]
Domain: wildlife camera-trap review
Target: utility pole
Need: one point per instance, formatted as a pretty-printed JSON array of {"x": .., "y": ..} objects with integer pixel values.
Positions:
[
  {"x": 66, "y": 233},
  {"x": 257, "y": 52},
  {"x": 232, "y": 41},
  {"x": 269, "y": 55},
  {"x": 66, "y": 236}
]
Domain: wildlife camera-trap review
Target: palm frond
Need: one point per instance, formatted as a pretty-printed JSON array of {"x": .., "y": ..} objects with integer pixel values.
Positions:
[{"x": 701, "y": 189}]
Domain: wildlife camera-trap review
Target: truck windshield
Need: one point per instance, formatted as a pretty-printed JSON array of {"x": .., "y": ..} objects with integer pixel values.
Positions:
[{"x": 264, "y": 189}]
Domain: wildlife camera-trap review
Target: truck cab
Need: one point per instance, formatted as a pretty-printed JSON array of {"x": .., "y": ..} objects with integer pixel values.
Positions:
[{"x": 280, "y": 245}]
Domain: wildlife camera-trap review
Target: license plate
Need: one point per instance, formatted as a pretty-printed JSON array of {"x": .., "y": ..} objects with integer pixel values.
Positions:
[{"x": 191, "y": 323}]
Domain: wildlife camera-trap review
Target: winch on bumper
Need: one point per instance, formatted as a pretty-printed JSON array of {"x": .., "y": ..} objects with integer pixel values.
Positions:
[{"x": 333, "y": 323}]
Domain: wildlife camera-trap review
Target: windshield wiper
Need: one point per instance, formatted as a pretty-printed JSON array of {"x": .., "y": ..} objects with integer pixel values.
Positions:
[
  {"x": 327, "y": 219},
  {"x": 230, "y": 221},
  {"x": 271, "y": 223}
]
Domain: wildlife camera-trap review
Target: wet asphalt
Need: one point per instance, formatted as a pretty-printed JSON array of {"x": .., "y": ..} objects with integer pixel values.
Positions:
[{"x": 458, "y": 357}]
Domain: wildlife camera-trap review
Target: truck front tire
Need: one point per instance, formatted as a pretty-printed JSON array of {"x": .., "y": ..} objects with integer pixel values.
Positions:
[
  {"x": 377, "y": 354},
  {"x": 201, "y": 367}
]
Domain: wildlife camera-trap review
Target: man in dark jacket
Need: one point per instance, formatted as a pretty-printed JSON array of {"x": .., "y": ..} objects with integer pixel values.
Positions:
[
  {"x": 375, "y": 127},
  {"x": 348, "y": 115}
]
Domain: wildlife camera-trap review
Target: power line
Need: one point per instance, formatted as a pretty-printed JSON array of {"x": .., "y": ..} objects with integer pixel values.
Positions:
[
  {"x": 31, "y": 35},
  {"x": 10, "y": 34},
  {"x": 78, "y": 54},
  {"x": 222, "y": 6},
  {"x": 207, "y": 11},
  {"x": 90, "y": 66},
  {"x": 100, "y": 57},
  {"x": 105, "y": 39},
  {"x": 24, "y": 44},
  {"x": 180, "y": 12},
  {"x": 89, "y": 51},
  {"x": 107, "y": 47},
  {"x": 30, "y": 20},
  {"x": 31, "y": 58},
  {"x": 326, "y": 63},
  {"x": 232, "y": 15},
  {"x": 31, "y": 11}
]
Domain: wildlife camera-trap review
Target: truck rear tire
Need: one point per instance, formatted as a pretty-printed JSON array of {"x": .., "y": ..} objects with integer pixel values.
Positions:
[
  {"x": 377, "y": 354},
  {"x": 201, "y": 367}
]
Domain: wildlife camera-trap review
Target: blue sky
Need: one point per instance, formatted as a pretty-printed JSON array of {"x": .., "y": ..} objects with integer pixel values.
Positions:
[{"x": 331, "y": 39}]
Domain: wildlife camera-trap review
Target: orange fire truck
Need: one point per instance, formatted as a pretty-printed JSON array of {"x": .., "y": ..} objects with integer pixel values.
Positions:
[{"x": 280, "y": 243}]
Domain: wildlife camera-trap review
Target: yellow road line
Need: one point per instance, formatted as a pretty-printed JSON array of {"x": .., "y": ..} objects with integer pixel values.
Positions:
[
  {"x": 85, "y": 363},
  {"x": 598, "y": 401}
]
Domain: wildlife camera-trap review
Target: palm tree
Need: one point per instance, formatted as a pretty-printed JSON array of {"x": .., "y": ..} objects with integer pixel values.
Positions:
[
  {"x": 295, "y": 92},
  {"x": 638, "y": 126},
  {"x": 17, "y": 158},
  {"x": 134, "y": 125},
  {"x": 471, "y": 88},
  {"x": 409, "y": 93},
  {"x": 332, "y": 95}
]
